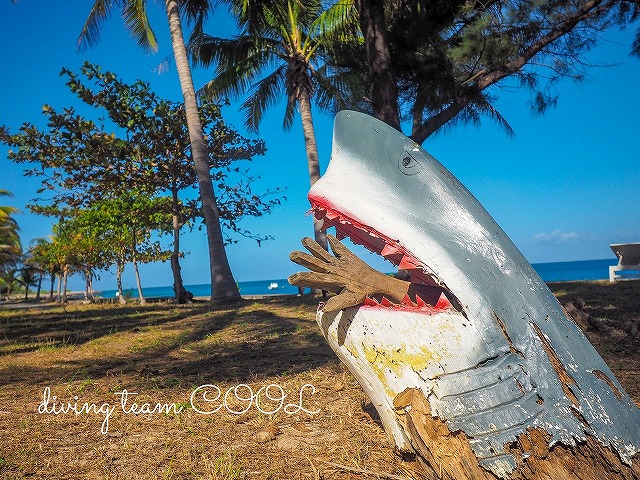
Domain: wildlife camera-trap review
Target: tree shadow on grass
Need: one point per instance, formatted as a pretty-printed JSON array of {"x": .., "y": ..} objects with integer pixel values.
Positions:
[
  {"x": 31, "y": 331},
  {"x": 195, "y": 346}
]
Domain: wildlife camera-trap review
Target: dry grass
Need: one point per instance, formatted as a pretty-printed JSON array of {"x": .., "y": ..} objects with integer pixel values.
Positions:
[
  {"x": 616, "y": 304},
  {"x": 164, "y": 352}
]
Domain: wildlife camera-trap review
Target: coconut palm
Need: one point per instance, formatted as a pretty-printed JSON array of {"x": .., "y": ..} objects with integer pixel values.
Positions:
[
  {"x": 42, "y": 255},
  {"x": 281, "y": 53},
  {"x": 28, "y": 276},
  {"x": 10, "y": 249},
  {"x": 8, "y": 280},
  {"x": 134, "y": 15}
]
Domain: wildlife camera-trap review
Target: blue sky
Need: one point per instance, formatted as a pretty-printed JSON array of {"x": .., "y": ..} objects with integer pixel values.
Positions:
[{"x": 563, "y": 188}]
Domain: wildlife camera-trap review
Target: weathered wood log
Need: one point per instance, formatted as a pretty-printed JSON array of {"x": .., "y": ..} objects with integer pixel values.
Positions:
[
  {"x": 471, "y": 363},
  {"x": 576, "y": 310}
]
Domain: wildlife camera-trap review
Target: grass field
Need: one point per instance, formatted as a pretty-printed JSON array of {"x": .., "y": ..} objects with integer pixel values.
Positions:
[{"x": 88, "y": 355}]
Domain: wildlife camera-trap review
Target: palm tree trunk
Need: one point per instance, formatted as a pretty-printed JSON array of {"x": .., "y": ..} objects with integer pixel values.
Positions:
[
  {"x": 53, "y": 281},
  {"x": 223, "y": 285},
  {"x": 313, "y": 161},
  {"x": 39, "y": 287}
]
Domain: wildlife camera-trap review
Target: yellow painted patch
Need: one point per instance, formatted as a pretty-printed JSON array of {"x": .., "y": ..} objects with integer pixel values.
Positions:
[{"x": 394, "y": 361}]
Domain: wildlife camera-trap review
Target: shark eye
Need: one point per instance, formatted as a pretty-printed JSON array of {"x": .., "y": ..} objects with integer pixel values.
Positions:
[{"x": 408, "y": 165}]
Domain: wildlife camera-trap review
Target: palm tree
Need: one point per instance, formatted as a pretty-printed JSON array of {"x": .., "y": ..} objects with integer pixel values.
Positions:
[
  {"x": 28, "y": 276},
  {"x": 42, "y": 256},
  {"x": 10, "y": 248},
  {"x": 284, "y": 51},
  {"x": 8, "y": 279},
  {"x": 223, "y": 285}
]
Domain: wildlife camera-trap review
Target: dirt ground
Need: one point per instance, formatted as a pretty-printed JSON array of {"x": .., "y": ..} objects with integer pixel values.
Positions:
[{"x": 101, "y": 360}]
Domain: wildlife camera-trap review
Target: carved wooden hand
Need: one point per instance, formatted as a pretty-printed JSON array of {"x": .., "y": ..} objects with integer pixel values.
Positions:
[{"x": 343, "y": 273}]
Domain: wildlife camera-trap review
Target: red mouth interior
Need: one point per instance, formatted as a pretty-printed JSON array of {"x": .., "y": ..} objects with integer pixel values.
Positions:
[{"x": 436, "y": 296}]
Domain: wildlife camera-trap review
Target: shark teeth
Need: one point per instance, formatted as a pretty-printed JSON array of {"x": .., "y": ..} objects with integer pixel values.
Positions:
[
  {"x": 392, "y": 253},
  {"x": 407, "y": 304},
  {"x": 370, "y": 302},
  {"x": 409, "y": 263},
  {"x": 391, "y": 250}
]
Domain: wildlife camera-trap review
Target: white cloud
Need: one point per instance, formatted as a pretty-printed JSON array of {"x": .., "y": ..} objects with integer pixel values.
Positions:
[{"x": 555, "y": 237}]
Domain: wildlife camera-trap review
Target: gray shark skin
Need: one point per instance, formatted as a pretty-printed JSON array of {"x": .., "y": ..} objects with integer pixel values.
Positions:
[{"x": 496, "y": 355}]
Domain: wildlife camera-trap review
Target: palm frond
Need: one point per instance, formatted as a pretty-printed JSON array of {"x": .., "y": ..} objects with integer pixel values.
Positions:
[
  {"x": 197, "y": 33},
  {"x": 239, "y": 62},
  {"x": 134, "y": 15},
  {"x": 339, "y": 22},
  {"x": 306, "y": 12},
  {"x": 90, "y": 34},
  {"x": 250, "y": 13},
  {"x": 6, "y": 212},
  {"x": 265, "y": 94},
  {"x": 334, "y": 92},
  {"x": 479, "y": 105},
  {"x": 195, "y": 10}
]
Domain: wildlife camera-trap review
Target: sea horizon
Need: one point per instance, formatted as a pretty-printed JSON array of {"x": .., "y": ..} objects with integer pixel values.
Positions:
[{"x": 578, "y": 270}]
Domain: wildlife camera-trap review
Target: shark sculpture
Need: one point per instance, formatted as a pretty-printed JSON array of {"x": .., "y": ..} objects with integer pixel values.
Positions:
[{"x": 471, "y": 329}]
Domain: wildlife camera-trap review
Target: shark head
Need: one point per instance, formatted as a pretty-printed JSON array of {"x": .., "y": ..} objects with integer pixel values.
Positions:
[
  {"x": 385, "y": 192},
  {"x": 494, "y": 354}
]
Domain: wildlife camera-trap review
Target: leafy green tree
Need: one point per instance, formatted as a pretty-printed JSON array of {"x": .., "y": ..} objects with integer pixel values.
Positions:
[
  {"x": 160, "y": 160},
  {"x": 134, "y": 15},
  {"x": 280, "y": 53},
  {"x": 10, "y": 247},
  {"x": 78, "y": 162},
  {"x": 67, "y": 252},
  {"x": 110, "y": 231},
  {"x": 446, "y": 60},
  {"x": 63, "y": 253},
  {"x": 119, "y": 230}
]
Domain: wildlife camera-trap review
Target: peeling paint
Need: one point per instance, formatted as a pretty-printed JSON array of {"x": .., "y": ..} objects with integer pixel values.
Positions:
[
  {"x": 566, "y": 380},
  {"x": 603, "y": 376}
]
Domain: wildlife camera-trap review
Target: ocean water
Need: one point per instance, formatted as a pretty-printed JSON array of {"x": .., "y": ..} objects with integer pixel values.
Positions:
[
  {"x": 550, "y": 272},
  {"x": 571, "y": 271},
  {"x": 259, "y": 287}
]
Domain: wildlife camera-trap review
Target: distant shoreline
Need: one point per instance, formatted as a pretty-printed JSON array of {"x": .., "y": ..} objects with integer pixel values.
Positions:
[{"x": 550, "y": 272}]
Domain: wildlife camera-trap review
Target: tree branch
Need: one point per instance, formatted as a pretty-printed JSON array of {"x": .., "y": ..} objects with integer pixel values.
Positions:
[{"x": 490, "y": 77}]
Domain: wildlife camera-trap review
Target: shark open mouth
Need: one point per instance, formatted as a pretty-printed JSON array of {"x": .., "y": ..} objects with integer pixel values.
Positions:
[{"x": 434, "y": 296}]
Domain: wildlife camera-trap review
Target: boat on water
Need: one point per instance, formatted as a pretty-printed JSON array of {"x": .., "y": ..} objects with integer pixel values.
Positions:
[{"x": 273, "y": 286}]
